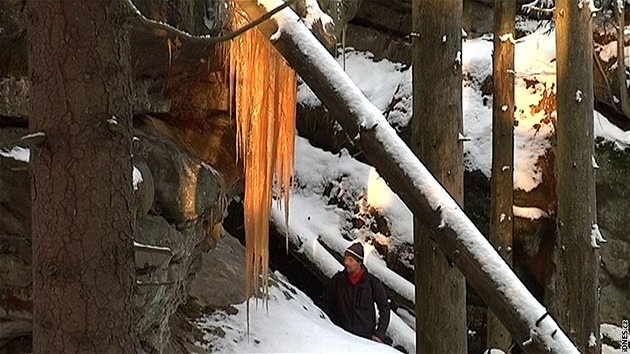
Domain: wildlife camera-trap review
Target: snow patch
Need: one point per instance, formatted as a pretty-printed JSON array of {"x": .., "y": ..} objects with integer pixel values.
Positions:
[
  {"x": 316, "y": 169},
  {"x": 137, "y": 178},
  {"x": 578, "y": 96},
  {"x": 17, "y": 153},
  {"x": 379, "y": 86},
  {"x": 594, "y": 162},
  {"x": 592, "y": 341},
  {"x": 151, "y": 247},
  {"x": 507, "y": 37},
  {"x": 315, "y": 14},
  {"x": 596, "y": 236},
  {"x": 494, "y": 351},
  {"x": 531, "y": 213}
]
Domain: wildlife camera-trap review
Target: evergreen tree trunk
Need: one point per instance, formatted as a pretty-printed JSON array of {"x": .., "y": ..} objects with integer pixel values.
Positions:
[
  {"x": 82, "y": 193},
  {"x": 574, "y": 284},
  {"x": 502, "y": 179},
  {"x": 437, "y": 123}
]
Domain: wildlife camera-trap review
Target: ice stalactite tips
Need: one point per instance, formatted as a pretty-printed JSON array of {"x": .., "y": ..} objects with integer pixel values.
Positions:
[{"x": 263, "y": 92}]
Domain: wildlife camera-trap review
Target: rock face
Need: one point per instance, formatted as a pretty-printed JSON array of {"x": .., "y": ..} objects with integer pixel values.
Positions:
[
  {"x": 613, "y": 208},
  {"x": 180, "y": 201},
  {"x": 221, "y": 278},
  {"x": 179, "y": 208}
]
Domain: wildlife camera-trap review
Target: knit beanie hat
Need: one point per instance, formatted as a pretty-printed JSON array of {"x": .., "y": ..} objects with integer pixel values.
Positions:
[{"x": 356, "y": 251}]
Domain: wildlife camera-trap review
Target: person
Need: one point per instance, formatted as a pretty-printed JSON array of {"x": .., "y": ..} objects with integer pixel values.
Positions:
[{"x": 350, "y": 296}]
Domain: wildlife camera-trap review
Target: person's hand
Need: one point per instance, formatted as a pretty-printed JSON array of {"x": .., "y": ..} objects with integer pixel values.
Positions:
[{"x": 376, "y": 339}]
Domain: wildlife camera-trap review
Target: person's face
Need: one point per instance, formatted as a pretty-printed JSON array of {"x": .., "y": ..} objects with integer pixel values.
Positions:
[{"x": 352, "y": 265}]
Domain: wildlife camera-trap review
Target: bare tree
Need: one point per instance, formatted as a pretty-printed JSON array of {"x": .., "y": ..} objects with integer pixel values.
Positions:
[
  {"x": 82, "y": 225},
  {"x": 436, "y": 127},
  {"x": 502, "y": 178},
  {"x": 573, "y": 291}
]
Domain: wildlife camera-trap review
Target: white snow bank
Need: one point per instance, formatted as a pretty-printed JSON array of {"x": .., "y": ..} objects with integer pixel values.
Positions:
[
  {"x": 315, "y": 169},
  {"x": 306, "y": 223},
  {"x": 291, "y": 324},
  {"x": 378, "y": 85},
  {"x": 388, "y": 85},
  {"x": 17, "y": 153}
]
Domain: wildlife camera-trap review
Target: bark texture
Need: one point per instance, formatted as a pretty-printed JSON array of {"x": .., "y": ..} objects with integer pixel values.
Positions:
[
  {"x": 502, "y": 178},
  {"x": 574, "y": 284},
  {"x": 436, "y": 126},
  {"x": 81, "y": 187}
]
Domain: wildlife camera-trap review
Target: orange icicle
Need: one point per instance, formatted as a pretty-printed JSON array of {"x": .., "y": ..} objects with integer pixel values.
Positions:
[{"x": 263, "y": 87}]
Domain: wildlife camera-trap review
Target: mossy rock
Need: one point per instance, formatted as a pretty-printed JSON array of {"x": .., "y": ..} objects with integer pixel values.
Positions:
[{"x": 613, "y": 190}]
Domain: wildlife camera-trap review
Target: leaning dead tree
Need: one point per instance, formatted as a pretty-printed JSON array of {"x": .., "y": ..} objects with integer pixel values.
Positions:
[{"x": 528, "y": 321}]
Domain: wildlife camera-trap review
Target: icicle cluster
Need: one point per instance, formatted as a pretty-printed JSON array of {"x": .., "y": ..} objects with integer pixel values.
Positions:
[{"x": 263, "y": 92}]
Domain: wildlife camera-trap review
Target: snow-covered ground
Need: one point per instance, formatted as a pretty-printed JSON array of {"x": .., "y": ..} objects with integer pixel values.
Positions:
[{"x": 291, "y": 324}]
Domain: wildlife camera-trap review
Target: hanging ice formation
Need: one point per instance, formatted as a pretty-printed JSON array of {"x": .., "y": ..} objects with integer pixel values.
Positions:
[{"x": 263, "y": 92}]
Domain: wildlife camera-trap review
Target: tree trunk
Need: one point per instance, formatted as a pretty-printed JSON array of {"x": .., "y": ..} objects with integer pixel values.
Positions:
[
  {"x": 574, "y": 284},
  {"x": 502, "y": 178},
  {"x": 81, "y": 177},
  {"x": 436, "y": 126},
  {"x": 624, "y": 101}
]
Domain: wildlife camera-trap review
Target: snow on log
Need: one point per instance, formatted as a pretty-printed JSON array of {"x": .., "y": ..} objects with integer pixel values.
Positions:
[{"x": 526, "y": 319}]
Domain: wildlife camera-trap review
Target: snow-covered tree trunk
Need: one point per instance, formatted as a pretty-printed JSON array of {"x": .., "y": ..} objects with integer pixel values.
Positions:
[
  {"x": 502, "y": 178},
  {"x": 436, "y": 128},
  {"x": 82, "y": 222},
  {"x": 454, "y": 233},
  {"x": 573, "y": 292}
]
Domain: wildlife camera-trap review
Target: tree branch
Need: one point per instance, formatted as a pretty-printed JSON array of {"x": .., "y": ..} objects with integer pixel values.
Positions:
[
  {"x": 598, "y": 63},
  {"x": 26, "y": 141},
  {"x": 139, "y": 18},
  {"x": 541, "y": 9},
  {"x": 174, "y": 51}
]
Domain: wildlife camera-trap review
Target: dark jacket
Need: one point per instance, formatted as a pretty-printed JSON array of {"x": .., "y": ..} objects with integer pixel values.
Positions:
[{"x": 351, "y": 307}]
